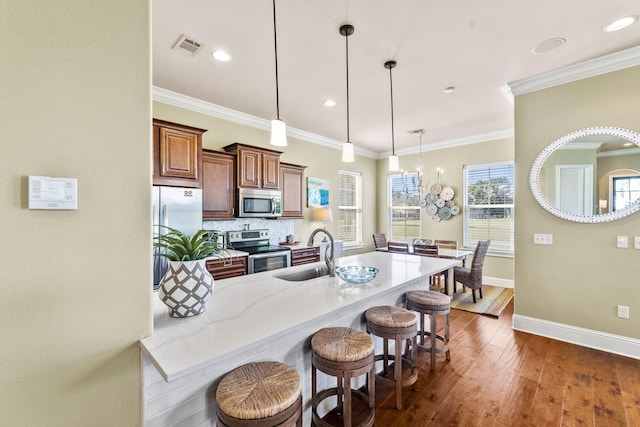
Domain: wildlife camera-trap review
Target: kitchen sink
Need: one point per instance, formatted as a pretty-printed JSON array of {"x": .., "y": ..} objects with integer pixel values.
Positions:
[{"x": 300, "y": 276}]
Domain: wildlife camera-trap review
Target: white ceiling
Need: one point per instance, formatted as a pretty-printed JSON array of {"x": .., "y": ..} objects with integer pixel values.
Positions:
[{"x": 478, "y": 46}]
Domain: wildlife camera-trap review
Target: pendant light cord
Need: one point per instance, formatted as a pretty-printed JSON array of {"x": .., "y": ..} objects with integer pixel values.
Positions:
[
  {"x": 275, "y": 45},
  {"x": 347, "y": 62},
  {"x": 393, "y": 142}
]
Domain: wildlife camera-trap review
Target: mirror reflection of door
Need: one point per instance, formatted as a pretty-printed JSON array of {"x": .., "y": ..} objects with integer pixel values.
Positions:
[{"x": 574, "y": 188}]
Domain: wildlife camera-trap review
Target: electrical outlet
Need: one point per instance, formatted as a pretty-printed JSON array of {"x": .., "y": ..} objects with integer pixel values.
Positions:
[
  {"x": 542, "y": 239},
  {"x": 623, "y": 242},
  {"x": 623, "y": 311}
]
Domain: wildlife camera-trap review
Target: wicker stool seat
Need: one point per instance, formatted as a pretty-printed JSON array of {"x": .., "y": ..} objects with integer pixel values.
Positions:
[
  {"x": 433, "y": 304},
  {"x": 343, "y": 353},
  {"x": 260, "y": 394},
  {"x": 395, "y": 323}
]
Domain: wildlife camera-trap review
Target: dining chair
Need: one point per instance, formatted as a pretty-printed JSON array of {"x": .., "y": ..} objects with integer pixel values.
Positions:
[
  {"x": 380, "y": 241},
  {"x": 446, "y": 244},
  {"x": 402, "y": 247},
  {"x": 430, "y": 251},
  {"x": 472, "y": 277}
]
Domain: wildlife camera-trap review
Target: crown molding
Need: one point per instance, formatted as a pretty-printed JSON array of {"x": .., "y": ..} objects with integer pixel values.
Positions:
[
  {"x": 451, "y": 143},
  {"x": 593, "y": 67},
  {"x": 199, "y": 106}
]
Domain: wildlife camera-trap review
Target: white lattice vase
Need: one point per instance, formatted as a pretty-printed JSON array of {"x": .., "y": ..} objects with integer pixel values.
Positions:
[{"x": 186, "y": 287}]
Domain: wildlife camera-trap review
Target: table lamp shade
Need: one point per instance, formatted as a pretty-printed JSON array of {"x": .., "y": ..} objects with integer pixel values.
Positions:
[{"x": 322, "y": 214}]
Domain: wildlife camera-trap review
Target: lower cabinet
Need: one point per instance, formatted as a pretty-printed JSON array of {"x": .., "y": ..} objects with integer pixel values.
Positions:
[
  {"x": 305, "y": 256},
  {"x": 224, "y": 268}
]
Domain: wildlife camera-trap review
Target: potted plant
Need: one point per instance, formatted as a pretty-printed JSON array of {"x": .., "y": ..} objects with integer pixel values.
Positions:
[{"x": 187, "y": 284}]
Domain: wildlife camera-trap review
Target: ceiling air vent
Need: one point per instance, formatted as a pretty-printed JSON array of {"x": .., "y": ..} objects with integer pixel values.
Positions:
[{"x": 187, "y": 45}]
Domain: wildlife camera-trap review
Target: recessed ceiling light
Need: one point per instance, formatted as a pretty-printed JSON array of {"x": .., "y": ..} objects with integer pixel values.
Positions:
[
  {"x": 449, "y": 89},
  {"x": 621, "y": 23},
  {"x": 221, "y": 56},
  {"x": 549, "y": 45},
  {"x": 329, "y": 103}
]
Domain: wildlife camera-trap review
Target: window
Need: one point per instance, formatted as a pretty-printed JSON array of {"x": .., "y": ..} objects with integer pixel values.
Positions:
[
  {"x": 488, "y": 206},
  {"x": 350, "y": 208},
  {"x": 404, "y": 210},
  {"x": 626, "y": 190}
]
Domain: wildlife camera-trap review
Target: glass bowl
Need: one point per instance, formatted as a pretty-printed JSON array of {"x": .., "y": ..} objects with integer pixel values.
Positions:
[{"x": 356, "y": 274}]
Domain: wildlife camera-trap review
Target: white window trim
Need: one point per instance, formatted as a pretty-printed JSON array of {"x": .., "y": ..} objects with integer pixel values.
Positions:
[
  {"x": 358, "y": 243},
  {"x": 491, "y": 252}
]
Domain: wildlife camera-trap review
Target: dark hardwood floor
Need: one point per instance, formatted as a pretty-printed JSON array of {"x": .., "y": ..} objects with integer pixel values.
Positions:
[{"x": 501, "y": 377}]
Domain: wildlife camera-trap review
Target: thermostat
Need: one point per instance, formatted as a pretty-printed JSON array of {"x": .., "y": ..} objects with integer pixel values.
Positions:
[{"x": 46, "y": 192}]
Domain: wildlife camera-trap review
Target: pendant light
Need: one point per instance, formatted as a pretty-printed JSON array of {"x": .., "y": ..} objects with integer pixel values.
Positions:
[
  {"x": 347, "y": 147},
  {"x": 278, "y": 128},
  {"x": 394, "y": 164}
]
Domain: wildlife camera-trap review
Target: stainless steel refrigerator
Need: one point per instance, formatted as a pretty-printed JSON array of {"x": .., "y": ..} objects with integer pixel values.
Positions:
[{"x": 175, "y": 207}]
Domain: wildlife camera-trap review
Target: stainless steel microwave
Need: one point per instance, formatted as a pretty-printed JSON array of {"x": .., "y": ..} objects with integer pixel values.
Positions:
[{"x": 259, "y": 203}]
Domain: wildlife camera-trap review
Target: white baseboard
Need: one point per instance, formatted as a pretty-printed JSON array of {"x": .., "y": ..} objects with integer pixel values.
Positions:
[
  {"x": 610, "y": 343},
  {"x": 496, "y": 281}
]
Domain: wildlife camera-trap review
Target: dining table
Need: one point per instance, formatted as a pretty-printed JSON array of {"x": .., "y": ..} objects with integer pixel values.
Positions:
[{"x": 458, "y": 254}]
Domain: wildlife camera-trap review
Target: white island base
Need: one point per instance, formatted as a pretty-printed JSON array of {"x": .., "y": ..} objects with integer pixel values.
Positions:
[{"x": 260, "y": 317}]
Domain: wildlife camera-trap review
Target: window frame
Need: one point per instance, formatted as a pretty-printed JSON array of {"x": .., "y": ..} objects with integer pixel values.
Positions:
[
  {"x": 467, "y": 208},
  {"x": 352, "y": 244},
  {"x": 390, "y": 205}
]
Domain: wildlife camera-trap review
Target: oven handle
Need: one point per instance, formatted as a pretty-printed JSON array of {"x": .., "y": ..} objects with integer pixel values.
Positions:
[{"x": 270, "y": 255}]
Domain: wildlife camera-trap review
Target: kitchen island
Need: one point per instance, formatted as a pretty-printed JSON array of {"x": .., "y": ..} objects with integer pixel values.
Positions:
[{"x": 262, "y": 317}]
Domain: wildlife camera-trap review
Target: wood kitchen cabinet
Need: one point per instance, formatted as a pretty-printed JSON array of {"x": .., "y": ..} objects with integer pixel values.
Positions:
[
  {"x": 218, "y": 185},
  {"x": 257, "y": 167},
  {"x": 292, "y": 186},
  {"x": 224, "y": 268},
  {"x": 176, "y": 154},
  {"x": 305, "y": 255}
]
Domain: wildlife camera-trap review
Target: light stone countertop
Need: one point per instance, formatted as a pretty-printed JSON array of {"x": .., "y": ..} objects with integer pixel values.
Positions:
[{"x": 245, "y": 311}]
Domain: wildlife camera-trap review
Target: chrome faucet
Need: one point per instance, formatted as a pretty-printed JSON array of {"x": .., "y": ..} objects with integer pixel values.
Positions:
[{"x": 328, "y": 257}]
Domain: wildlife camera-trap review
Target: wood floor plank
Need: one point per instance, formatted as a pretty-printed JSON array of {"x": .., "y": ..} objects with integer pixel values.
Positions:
[
  {"x": 516, "y": 407},
  {"x": 627, "y": 372},
  {"x": 578, "y": 393},
  {"x": 608, "y": 403},
  {"x": 534, "y": 358}
]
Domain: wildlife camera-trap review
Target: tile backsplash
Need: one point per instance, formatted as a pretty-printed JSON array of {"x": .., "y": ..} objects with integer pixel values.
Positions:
[{"x": 278, "y": 229}]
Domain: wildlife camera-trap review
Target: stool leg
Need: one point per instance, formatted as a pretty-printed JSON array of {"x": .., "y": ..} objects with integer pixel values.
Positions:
[
  {"x": 314, "y": 391},
  {"x": 397, "y": 375},
  {"x": 385, "y": 355},
  {"x": 340, "y": 394},
  {"x": 446, "y": 335},
  {"x": 372, "y": 386},
  {"x": 346, "y": 413},
  {"x": 433, "y": 337},
  {"x": 422, "y": 328}
]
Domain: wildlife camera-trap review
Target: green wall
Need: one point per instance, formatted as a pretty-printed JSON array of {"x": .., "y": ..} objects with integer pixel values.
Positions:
[
  {"x": 76, "y": 103},
  {"x": 582, "y": 277}
]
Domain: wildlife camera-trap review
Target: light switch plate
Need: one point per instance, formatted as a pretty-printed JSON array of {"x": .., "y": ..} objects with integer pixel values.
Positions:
[
  {"x": 636, "y": 242},
  {"x": 542, "y": 239},
  {"x": 623, "y": 242}
]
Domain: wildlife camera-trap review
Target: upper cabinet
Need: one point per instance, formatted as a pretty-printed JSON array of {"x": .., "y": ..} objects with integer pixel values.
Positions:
[
  {"x": 257, "y": 167},
  {"x": 218, "y": 185},
  {"x": 292, "y": 186},
  {"x": 176, "y": 154}
]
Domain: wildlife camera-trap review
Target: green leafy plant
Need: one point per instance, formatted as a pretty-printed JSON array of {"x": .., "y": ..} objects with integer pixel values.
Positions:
[{"x": 177, "y": 246}]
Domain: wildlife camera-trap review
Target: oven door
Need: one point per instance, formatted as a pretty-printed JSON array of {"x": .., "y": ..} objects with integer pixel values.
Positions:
[{"x": 268, "y": 261}]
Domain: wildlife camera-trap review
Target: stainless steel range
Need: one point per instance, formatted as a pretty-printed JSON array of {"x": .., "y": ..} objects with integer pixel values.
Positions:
[{"x": 262, "y": 256}]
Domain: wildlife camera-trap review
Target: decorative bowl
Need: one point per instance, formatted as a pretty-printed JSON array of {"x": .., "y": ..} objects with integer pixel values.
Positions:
[{"x": 356, "y": 274}]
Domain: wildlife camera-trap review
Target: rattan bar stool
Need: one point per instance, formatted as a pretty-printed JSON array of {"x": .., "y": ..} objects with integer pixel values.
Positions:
[
  {"x": 343, "y": 353},
  {"x": 433, "y": 304},
  {"x": 260, "y": 394},
  {"x": 398, "y": 324}
]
